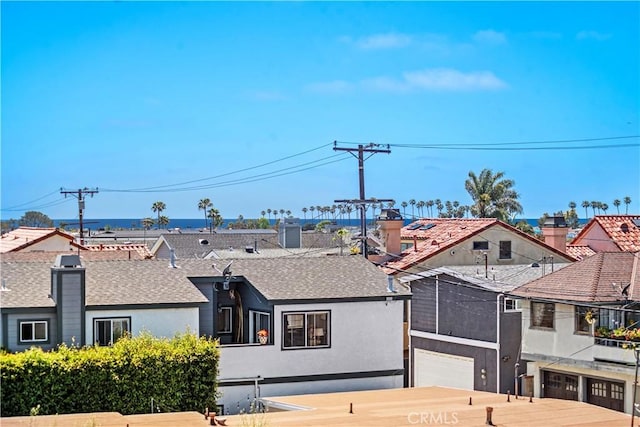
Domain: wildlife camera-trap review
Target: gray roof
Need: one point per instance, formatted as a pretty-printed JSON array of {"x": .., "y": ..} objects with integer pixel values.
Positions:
[
  {"x": 150, "y": 282},
  {"x": 498, "y": 278}
]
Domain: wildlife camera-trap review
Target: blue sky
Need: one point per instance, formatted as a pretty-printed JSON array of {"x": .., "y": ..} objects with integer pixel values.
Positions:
[{"x": 241, "y": 103}]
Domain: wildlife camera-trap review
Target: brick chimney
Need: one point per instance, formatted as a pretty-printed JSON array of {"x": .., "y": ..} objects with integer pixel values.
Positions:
[
  {"x": 390, "y": 223},
  {"x": 555, "y": 232}
]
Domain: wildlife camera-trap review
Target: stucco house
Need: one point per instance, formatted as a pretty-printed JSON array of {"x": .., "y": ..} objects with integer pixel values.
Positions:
[
  {"x": 37, "y": 239},
  {"x": 607, "y": 233},
  {"x": 579, "y": 325},
  {"x": 332, "y": 323}
]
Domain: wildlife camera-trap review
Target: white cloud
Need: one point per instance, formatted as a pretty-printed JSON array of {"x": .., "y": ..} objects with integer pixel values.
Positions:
[
  {"x": 490, "y": 37},
  {"x": 332, "y": 87},
  {"x": 592, "y": 35},
  {"x": 439, "y": 79},
  {"x": 383, "y": 41}
]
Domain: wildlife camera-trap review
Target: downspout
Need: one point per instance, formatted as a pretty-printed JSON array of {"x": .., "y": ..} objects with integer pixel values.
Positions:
[
  {"x": 437, "y": 308},
  {"x": 498, "y": 342}
]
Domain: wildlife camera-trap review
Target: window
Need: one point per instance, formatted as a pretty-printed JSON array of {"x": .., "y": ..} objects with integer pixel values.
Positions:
[
  {"x": 108, "y": 331},
  {"x": 259, "y": 320},
  {"x": 34, "y": 331},
  {"x": 505, "y": 249},
  {"x": 584, "y": 318},
  {"x": 481, "y": 245},
  {"x": 304, "y": 330},
  {"x": 512, "y": 304},
  {"x": 542, "y": 314},
  {"x": 225, "y": 320}
]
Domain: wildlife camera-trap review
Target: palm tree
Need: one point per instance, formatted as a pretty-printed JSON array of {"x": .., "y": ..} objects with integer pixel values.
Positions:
[
  {"x": 147, "y": 223},
  {"x": 585, "y": 205},
  {"x": 604, "y": 207},
  {"x": 215, "y": 217},
  {"x": 312, "y": 208},
  {"x": 349, "y": 209},
  {"x": 420, "y": 206},
  {"x": 269, "y": 213},
  {"x": 288, "y": 213},
  {"x": 616, "y": 203},
  {"x": 412, "y": 202},
  {"x": 594, "y": 205},
  {"x": 158, "y": 207},
  {"x": 572, "y": 205},
  {"x": 163, "y": 221},
  {"x": 493, "y": 195},
  {"x": 204, "y": 204},
  {"x": 627, "y": 202},
  {"x": 262, "y": 213},
  {"x": 404, "y": 208},
  {"x": 304, "y": 212},
  {"x": 430, "y": 204},
  {"x": 439, "y": 206}
]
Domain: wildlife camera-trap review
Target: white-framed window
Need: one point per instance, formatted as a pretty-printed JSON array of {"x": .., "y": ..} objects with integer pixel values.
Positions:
[
  {"x": 542, "y": 314},
  {"x": 306, "y": 329},
  {"x": 34, "y": 331},
  {"x": 512, "y": 304},
  {"x": 259, "y": 320},
  {"x": 108, "y": 331},
  {"x": 225, "y": 320}
]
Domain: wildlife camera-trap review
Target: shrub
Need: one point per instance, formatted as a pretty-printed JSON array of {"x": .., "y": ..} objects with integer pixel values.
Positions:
[{"x": 179, "y": 374}]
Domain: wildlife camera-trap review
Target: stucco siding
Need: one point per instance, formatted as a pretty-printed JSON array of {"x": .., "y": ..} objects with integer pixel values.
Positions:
[{"x": 70, "y": 305}]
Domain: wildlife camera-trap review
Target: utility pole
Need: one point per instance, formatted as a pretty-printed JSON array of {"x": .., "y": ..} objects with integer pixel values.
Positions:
[
  {"x": 80, "y": 195},
  {"x": 361, "y": 202}
]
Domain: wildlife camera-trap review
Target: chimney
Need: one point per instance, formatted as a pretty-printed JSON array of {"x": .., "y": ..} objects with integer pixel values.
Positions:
[
  {"x": 68, "y": 293},
  {"x": 555, "y": 232},
  {"x": 390, "y": 222}
]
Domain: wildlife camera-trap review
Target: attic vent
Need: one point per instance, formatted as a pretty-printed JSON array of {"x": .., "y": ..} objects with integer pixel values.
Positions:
[
  {"x": 624, "y": 227},
  {"x": 68, "y": 261},
  {"x": 203, "y": 241}
]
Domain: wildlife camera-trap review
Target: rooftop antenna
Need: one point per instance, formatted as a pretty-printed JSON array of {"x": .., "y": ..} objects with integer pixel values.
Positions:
[{"x": 226, "y": 273}]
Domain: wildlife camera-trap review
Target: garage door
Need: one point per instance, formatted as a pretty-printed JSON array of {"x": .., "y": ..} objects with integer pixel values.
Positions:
[
  {"x": 441, "y": 369},
  {"x": 560, "y": 386},
  {"x": 609, "y": 394}
]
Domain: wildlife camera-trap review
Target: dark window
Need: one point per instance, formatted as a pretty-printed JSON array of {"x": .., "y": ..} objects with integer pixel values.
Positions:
[
  {"x": 481, "y": 245},
  {"x": 542, "y": 314},
  {"x": 225, "y": 320},
  {"x": 34, "y": 331},
  {"x": 505, "y": 249},
  {"x": 303, "y": 330},
  {"x": 108, "y": 331}
]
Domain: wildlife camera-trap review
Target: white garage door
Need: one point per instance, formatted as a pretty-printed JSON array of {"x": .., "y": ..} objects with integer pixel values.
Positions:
[{"x": 440, "y": 369}]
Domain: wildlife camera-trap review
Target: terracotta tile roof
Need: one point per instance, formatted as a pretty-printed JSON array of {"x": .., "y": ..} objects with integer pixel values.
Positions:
[
  {"x": 580, "y": 251},
  {"x": 141, "y": 250},
  {"x": 443, "y": 234},
  {"x": 623, "y": 230},
  {"x": 23, "y": 237},
  {"x": 599, "y": 278}
]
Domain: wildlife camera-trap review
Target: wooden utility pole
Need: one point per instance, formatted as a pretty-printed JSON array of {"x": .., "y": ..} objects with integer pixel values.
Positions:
[
  {"x": 362, "y": 201},
  {"x": 80, "y": 195}
]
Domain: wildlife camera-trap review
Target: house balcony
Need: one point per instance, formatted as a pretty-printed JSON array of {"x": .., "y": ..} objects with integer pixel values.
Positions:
[{"x": 615, "y": 350}]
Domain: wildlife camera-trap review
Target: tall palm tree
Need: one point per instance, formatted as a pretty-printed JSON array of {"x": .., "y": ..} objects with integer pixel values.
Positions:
[
  {"x": 216, "y": 219},
  {"x": 586, "y": 205},
  {"x": 627, "y": 202},
  {"x": 262, "y": 213},
  {"x": 311, "y": 209},
  {"x": 594, "y": 205},
  {"x": 412, "y": 202},
  {"x": 269, "y": 213},
  {"x": 420, "y": 206},
  {"x": 349, "y": 209},
  {"x": 617, "y": 203},
  {"x": 430, "y": 204},
  {"x": 203, "y": 205},
  {"x": 572, "y": 205},
  {"x": 493, "y": 195},
  {"x": 404, "y": 208},
  {"x": 604, "y": 207},
  {"x": 163, "y": 221},
  {"x": 158, "y": 207},
  {"x": 304, "y": 212}
]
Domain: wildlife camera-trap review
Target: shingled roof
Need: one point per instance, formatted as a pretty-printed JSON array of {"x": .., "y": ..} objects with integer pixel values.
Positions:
[{"x": 605, "y": 277}]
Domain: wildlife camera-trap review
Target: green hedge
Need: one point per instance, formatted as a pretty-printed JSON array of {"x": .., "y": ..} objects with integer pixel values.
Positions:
[{"x": 179, "y": 374}]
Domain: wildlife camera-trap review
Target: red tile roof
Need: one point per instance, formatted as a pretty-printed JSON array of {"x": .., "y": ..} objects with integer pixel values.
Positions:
[
  {"x": 446, "y": 233},
  {"x": 621, "y": 229},
  {"x": 23, "y": 237},
  {"x": 580, "y": 251},
  {"x": 599, "y": 278},
  {"x": 141, "y": 249}
]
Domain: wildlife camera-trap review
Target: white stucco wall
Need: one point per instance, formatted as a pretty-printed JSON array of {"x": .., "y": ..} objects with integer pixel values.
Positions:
[
  {"x": 54, "y": 243},
  {"x": 365, "y": 336},
  {"x": 159, "y": 322}
]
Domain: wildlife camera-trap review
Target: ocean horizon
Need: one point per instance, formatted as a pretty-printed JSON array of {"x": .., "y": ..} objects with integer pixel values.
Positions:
[{"x": 198, "y": 223}]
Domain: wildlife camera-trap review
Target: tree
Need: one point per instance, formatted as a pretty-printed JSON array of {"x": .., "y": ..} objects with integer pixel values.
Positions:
[
  {"x": 158, "y": 207},
  {"x": 627, "y": 202},
  {"x": 304, "y": 212},
  {"x": 404, "y": 208},
  {"x": 412, "y": 202},
  {"x": 617, "y": 203},
  {"x": 604, "y": 207},
  {"x": 35, "y": 219},
  {"x": 147, "y": 223},
  {"x": 430, "y": 204},
  {"x": 586, "y": 205},
  {"x": 203, "y": 205},
  {"x": 493, "y": 195},
  {"x": 262, "y": 214},
  {"x": 215, "y": 217},
  {"x": 572, "y": 205},
  {"x": 163, "y": 221}
]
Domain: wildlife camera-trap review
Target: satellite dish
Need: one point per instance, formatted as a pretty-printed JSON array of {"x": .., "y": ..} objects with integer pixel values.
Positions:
[{"x": 227, "y": 269}]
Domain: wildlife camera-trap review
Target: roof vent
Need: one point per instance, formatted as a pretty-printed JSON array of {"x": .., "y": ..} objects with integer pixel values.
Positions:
[
  {"x": 389, "y": 214},
  {"x": 555, "y": 222},
  {"x": 203, "y": 242},
  {"x": 68, "y": 261},
  {"x": 624, "y": 227},
  {"x": 248, "y": 249}
]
